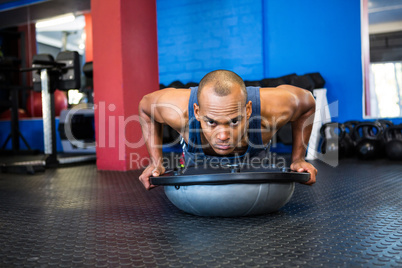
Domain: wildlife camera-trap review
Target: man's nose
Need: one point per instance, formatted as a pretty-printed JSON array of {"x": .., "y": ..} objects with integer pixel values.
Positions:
[{"x": 223, "y": 134}]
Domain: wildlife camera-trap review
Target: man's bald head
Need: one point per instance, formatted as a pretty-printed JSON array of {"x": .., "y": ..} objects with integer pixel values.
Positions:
[{"x": 222, "y": 82}]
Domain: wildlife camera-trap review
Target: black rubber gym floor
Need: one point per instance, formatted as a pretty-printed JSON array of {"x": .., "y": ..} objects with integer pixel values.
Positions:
[{"x": 78, "y": 216}]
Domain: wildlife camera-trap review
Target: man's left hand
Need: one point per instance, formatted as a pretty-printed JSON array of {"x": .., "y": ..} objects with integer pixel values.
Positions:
[{"x": 303, "y": 166}]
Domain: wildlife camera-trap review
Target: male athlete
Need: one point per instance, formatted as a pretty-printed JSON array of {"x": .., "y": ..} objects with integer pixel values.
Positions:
[{"x": 221, "y": 118}]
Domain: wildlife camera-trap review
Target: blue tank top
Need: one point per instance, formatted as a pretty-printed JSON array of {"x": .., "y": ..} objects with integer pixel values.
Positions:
[{"x": 193, "y": 153}]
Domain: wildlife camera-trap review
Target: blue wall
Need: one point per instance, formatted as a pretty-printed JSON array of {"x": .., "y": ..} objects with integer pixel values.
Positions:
[
  {"x": 266, "y": 38},
  {"x": 324, "y": 36},
  {"x": 196, "y": 37}
]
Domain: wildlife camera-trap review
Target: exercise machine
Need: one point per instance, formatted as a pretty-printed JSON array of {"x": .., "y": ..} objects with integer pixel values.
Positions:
[{"x": 48, "y": 75}]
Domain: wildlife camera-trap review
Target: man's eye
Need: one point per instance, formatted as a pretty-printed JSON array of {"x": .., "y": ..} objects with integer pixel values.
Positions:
[
  {"x": 235, "y": 122},
  {"x": 210, "y": 123}
]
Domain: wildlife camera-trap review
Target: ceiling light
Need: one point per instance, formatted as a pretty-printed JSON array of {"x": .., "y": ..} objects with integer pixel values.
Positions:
[{"x": 55, "y": 21}]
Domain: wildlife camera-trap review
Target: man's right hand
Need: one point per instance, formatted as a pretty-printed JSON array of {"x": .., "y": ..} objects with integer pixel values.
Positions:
[{"x": 153, "y": 171}]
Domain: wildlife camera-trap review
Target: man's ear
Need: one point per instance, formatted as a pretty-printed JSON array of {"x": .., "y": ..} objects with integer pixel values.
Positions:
[
  {"x": 249, "y": 109},
  {"x": 196, "y": 111}
]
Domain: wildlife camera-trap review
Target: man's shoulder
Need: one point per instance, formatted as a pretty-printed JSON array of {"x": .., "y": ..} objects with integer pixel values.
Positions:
[
  {"x": 277, "y": 94},
  {"x": 173, "y": 99},
  {"x": 277, "y": 100},
  {"x": 174, "y": 94}
]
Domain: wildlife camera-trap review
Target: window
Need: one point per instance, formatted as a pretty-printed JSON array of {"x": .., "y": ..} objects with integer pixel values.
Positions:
[
  {"x": 382, "y": 58},
  {"x": 386, "y": 89}
]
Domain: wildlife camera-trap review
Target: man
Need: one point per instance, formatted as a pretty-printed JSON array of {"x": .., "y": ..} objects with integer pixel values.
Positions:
[{"x": 223, "y": 118}]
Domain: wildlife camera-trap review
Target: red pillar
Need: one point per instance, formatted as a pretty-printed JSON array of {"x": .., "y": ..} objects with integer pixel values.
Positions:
[
  {"x": 89, "y": 38},
  {"x": 125, "y": 69}
]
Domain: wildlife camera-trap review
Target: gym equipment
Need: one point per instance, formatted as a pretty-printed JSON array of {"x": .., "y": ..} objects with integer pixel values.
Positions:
[
  {"x": 319, "y": 81},
  {"x": 349, "y": 136},
  {"x": 48, "y": 75},
  {"x": 346, "y": 142},
  {"x": 303, "y": 81},
  {"x": 393, "y": 142},
  {"x": 34, "y": 103},
  {"x": 287, "y": 78},
  {"x": 308, "y": 81},
  {"x": 63, "y": 74},
  {"x": 9, "y": 72},
  {"x": 368, "y": 140},
  {"x": 176, "y": 84},
  {"x": 331, "y": 133},
  {"x": 349, "y": 126},
  {"x": 45, "y": 76},
  {"x": 88, "y": 88},
  {"x": 252, "y": 83},
  {"x": 77, "y": 130},
  {"x": 170, "y": 136},
  {"x": 191, "y": 84},
  {"x": 384, "y": 124},
  {"x": 69, "y": 76},
  {"x": 229, "y": 190},
  {"x": 88, "y": 69},
  {"x": 7, "y": 114},
  {"x": 274, "y": 82},
  {"x": 271, "y": 82},
  {"x": 284, "y": 134}
]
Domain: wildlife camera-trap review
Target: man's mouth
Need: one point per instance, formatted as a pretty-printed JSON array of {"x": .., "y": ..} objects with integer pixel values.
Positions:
[{"x": 223, "y": 147}]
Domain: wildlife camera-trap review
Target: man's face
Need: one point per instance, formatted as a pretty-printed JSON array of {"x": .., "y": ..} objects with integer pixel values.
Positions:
[{"x": 223, "y": 119}]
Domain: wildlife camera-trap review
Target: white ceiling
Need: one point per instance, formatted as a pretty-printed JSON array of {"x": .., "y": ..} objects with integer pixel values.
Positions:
[{"x": 52, "y": 35}]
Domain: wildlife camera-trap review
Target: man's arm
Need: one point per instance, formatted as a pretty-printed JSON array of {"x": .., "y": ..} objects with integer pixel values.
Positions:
[
  {"x": 152, "y": 133},
  {"x": 155, "y": 109},
  {"x": 301, "y": 130}
]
